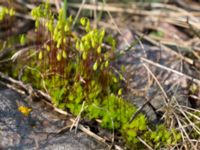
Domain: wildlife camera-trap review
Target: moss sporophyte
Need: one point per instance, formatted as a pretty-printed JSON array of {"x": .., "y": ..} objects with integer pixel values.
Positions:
[
  {"x": 6, "y": 11},
  {"x": 74, "y": 69}
]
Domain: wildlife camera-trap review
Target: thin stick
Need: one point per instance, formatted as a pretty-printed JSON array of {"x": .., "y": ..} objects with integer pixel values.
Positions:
[
  {"x": 188, "y": 60},
  {"x": 76, "y": 121},
  {"x": 160, "y": 86},
  {"x": 139, "y": 110},
  {"x": 171, "y": 70},
  {"x": 148, "y": 146},
  {"x": 78, "y": 13}
]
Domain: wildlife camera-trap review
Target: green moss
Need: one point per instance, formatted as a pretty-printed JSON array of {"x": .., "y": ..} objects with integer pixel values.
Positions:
[
  {"x": 76, "y": 70},
  {"x": 6, "y": 11}
]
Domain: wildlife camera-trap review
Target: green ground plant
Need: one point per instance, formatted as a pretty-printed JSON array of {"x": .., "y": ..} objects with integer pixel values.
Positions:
[
  {"x": 77, "y": 68},
  {"x": 6, "y": 11}
]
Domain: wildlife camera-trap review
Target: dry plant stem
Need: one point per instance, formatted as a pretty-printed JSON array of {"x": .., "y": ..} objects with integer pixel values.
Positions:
[
  {"x": 185, "y": 126},
  {"x": 171, "y": 70},
  {"x": 76, "y": 121},
  {"x": 182, "y": 126},
  {"x": 20, "y": 15},
  {"x": 193, "y": 115},
  {"x": 160, "y": 86},
  {"x": 57, "y": 5},
  {"x": 154, "y": 5},
  {"x": 195, "y": 97},
  {"x": 16, "y": 83},
  {"x": 85, "y": 130},
  {"x": 117, "y": 147},
  {"x": 24, "y": 3},
  {"x": 188, "y": 60},
  {"x": 112, "y": 8},
  {"x": 116, "y": 26},
  {"x": 173, "y": 16},
  {"x": 186, "y": 6},
  {"x": 189, "y": 108},
  {"x": 95, "y": 12},
  {"x": 196, "y": 32},
  {"x": 190, "y": 122},
  {"x": 5, "y": 51},
  {"x": 13, "y": 88},
  {"x": 5, "y": 61},
  {"x": 183, "y": 132},
  {"x": 21, "y": 52},
  {"x": 140, "y": 109},
  {"x": 181, "y": 22},
  {"x": 133, "y": 5},
  {"x": 78, "y": 13},
  {"x": 182, "y": 46},
  {"x": 148, "y": 146},
  {"x": 62, "y": 130}
]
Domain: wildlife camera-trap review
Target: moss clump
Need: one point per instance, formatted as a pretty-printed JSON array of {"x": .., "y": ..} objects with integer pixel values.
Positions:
[{"x": 76, "y": 70}]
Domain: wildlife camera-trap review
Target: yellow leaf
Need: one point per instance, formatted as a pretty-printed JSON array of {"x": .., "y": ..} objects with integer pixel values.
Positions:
[{"x": 24, "y": 110}]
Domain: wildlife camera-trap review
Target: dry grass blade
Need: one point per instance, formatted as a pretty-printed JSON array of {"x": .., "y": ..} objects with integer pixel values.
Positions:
[
  {"x": 76, "y": 121},
  {"x": 139, "y": 110},
  {"x": 185, "y": 124},
  {"x": 171, "y": 70},
  {"x": 21, "y": 52},
  {"x": 148, "y": 146},
  {"x": 78, "y": 13},
  {"x": 197, "y": 130},
  {"x": 153, "y": 14},
  {"x": 183, "y": 131},
  {"x": 170, "y": 51},
  {"x": 186, "y": 6},
  {"x": 159, "y": 84}
]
